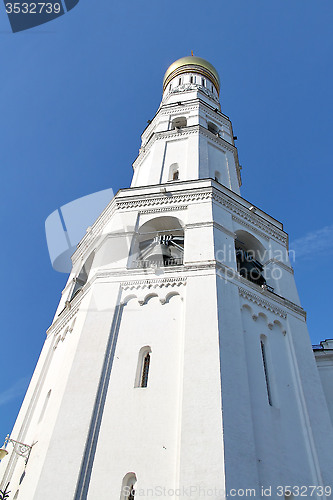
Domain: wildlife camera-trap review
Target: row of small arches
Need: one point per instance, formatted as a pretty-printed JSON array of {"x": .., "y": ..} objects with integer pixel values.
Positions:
[{"x": 145, "y": 299}]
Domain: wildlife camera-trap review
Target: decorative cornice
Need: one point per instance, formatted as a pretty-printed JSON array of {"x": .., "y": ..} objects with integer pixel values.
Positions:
[
  {"x": 165, "y": 209},
  {"x": 154, "y": 200},
  {"x": 253, "y": 219},
  {"x": 252, "y": 227},
  {"x": 219, "y": 140},
  {"x": 65, "y": 317},
  {"x": 176, "y": 110},
  {"x": 253, "y": 297},
  {"x": 192, "y": 105},
  {"x": 190, "y": 87},
  {"x": 262, "y": 302},
  {"x": 153, "y": 283},
  {"x": 226, "y": 123},
  {"x": 70, "y": 310},
  {"x": 214, "y": 224},
  {"x": 179, "y": 134},
  {"x": 280, "y": 264}
]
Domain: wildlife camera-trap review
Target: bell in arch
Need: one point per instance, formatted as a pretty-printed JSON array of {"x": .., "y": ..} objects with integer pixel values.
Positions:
[{"x": 160, "y": 253}]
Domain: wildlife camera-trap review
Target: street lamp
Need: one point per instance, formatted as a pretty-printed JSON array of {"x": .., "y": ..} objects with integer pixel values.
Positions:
[{"x": 21, "y": 449}]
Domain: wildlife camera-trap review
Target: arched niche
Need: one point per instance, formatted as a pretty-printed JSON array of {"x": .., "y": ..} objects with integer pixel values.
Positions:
[
  {"x": 174, "y": 172},
  {"x": 213, "y": 128},
  {"x": 142, "y": 370},
  {"x": 179, "y": 122},
  {"x": 159, "y": 243},
  {"x": 82, "y": 277},
  {"x": 250, "y": 256},
  {"x": 127, "y": 486}
]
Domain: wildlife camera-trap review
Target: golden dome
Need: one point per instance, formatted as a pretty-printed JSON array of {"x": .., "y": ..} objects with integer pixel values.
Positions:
[{"x": 192, "y": 63}]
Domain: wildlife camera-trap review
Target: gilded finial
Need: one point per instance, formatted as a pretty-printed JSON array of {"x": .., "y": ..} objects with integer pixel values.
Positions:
[{"x": 192, "y": 53}]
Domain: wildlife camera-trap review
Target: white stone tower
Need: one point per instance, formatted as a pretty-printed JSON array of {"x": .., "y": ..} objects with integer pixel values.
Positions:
[{"x": 178, "y": 363}]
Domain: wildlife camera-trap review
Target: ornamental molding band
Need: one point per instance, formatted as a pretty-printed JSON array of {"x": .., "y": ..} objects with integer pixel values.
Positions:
[
  {"x": 213, "y": 224},
  {"x": 62, "y": 334},
  {"x": 183, "y": 133},
  {"x": 252, "y": 219},
  {"x": 144, "y": 201},
  {"x": 63, "y": 320},
  {"x": 153, "y": 283},
  {"x": 220, "y": 117},
  {"x": 262, "y": 302},
  {"x": 173, "y": 109},
  {"x": 166, "y": 209},
  {"x": 251, "y": 227},
  {"x": 280, "y": 264},
  {"x": 69, "y": 311},
  {"x": 281, "y": 300},
  {"x": 220, "y": 141},
  {"x": 189, "y": 87}
]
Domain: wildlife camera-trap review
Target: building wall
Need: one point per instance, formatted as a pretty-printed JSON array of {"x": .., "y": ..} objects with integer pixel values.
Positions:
[{"x": 324, "y": 359}]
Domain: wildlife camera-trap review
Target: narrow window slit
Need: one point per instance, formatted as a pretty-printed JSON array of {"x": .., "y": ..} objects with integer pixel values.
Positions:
[
  {"x": 145, "y": 370},
  {"x": 264, "y": 360}
]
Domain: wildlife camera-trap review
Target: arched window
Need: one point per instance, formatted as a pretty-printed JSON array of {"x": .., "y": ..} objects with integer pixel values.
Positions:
[
  {"x": 145, "y": 370},
  {"x": 127, "y": 487},
  {"x": 217, "y": 176},
  {"x": 213, "y": 128},
  {"x": 203, "y": 82},
  {"x": 81, "y": 279},
  {"x": 159, "y": 243},
  {"x": 250, "y": 254},
  {"x": 179, "y": 122},
  {"x": 174, "y": 172},
  {"x": 142, "y": 371},
  {"x": 179, "y": 81},
  {"x": 191, "y": 79}
]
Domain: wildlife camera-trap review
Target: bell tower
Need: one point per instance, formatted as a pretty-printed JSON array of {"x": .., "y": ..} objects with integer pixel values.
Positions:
[
  {"x": 189, "y": 138},
  {"x": 178, "y": 364}
]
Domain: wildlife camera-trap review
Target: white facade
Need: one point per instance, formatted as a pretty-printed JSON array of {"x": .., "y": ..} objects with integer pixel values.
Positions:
[
  {"x": 234, "y": 399},
  {"x": 324, "y": 358}
]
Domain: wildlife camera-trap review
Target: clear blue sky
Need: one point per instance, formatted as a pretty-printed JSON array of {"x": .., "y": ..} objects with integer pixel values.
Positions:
[{"x": 76, "y": 94}]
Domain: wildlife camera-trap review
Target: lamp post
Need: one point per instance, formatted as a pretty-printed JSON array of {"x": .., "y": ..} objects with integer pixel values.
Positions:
[{"x": 21, "y": 449}]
